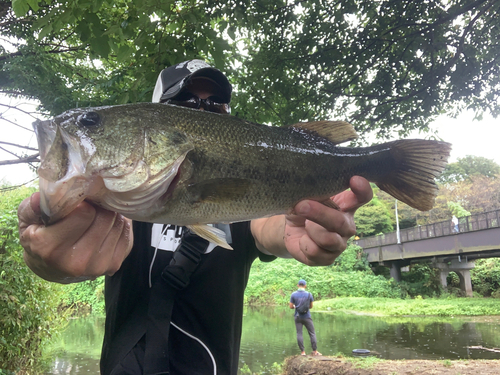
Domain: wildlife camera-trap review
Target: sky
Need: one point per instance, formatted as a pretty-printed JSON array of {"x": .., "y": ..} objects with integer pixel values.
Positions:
[
  {"x": 467, "y": 136},
  {"x": 23, "y": 134}
]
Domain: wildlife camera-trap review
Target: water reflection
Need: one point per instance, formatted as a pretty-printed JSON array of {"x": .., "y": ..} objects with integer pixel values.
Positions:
[
  {"x": 78, "y": 348},
  {"x": 269, "y": 336}
]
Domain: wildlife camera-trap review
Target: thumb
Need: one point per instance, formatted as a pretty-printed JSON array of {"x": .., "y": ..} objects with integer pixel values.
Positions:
[
  {"x": 360, "y": 194},
  {"x": 29, "y": 211}
]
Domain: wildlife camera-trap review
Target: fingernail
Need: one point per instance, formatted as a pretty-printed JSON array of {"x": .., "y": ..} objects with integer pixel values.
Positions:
[{"x": 303, "y": 208}]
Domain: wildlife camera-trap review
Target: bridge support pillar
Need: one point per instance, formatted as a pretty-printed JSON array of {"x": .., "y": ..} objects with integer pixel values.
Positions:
[
  {"x": 396, "y": 271},
  {"x": 462, "y": 269}
]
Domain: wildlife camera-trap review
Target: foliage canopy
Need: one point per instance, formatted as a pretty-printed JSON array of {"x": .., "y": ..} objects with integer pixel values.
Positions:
[
  {"x": 467, "y": 167},
  {"x": 381, "y": 65}
]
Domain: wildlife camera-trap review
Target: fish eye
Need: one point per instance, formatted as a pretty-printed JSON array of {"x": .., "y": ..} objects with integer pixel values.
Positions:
[{"x": 89, "y": 119}]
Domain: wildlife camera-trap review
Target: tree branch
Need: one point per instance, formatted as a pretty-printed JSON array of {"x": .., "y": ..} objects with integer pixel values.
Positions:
[
  {"x": 8, "y": 188},
  {"x": 18, "y": 53},
  {"x": 13, "y": 123},
  {"x": 16, "y": 145},
  {"x": 28, "y": 159},
  {"x": 19, "y": 109}
]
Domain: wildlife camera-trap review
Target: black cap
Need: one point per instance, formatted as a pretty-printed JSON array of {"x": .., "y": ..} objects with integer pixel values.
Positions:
[{"x": 173, "y": 79}]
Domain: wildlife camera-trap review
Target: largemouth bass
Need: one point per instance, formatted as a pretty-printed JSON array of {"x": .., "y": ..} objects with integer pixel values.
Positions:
[{"x": 166, "y": 164}]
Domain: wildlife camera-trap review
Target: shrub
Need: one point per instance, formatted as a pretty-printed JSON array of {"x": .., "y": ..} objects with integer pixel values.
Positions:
[
  {"x": 87, "y": 296},
  {"x": 28, "y": 304},
  {"x": 485, "y": 276},
  {"x": 422, "y": 280},
  {"x": 350, "y": 275}
]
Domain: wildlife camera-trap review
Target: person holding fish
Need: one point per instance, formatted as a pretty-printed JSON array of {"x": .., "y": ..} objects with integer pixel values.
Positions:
[{"x": 134, "y": 205}]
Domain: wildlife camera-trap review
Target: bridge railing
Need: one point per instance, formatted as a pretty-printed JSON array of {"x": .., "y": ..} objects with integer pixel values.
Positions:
[{"x": 475, "y": 222}]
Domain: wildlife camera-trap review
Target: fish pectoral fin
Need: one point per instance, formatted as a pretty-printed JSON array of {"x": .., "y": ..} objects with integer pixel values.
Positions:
[
  {"x": 335, "y": 131},
  {"x": 329, "y": 203},
  {"x": 211, "y": 234},
  {"x": 219, "y": 190}
]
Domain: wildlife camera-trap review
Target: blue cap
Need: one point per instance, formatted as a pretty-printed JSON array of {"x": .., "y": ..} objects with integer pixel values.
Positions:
[{"x": 302, "y": 282}]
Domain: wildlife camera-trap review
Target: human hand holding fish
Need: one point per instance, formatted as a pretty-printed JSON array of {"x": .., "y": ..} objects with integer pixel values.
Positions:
[
  {"x": 315, "y": 234},
  {"x": 87, "y": 243},
  {"x": 318, "y": 234}
]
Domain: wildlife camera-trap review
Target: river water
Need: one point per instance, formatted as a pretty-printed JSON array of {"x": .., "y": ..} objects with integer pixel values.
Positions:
[{"x": 269, "y": 336}]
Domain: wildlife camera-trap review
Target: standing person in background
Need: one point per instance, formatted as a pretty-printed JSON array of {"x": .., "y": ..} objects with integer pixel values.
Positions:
[
  {"x": 302, "y": 302},
  {"x": 454, "y": 220}
]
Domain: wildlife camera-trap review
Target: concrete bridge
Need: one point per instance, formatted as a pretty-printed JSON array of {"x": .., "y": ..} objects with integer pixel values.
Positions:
[{"x": 442, "y": 245}]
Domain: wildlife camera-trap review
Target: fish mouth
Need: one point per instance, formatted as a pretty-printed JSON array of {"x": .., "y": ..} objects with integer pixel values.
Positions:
[
  {"x": 63, "y": 183},
  {"x": 68, "y": 176}
]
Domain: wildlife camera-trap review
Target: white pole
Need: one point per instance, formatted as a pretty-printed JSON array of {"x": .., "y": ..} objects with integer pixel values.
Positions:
[{"x": 397, "y": 224}]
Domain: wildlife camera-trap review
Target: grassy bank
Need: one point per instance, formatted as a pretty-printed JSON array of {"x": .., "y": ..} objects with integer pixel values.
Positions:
[
  {"x": 300, "y": 365},
  {"x": 417, "y": 306},
  {"x": 350, "y": 276}
]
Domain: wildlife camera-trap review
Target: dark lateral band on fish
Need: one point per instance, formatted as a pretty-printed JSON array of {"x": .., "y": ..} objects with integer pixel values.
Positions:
[{"x": 166, "y": 164}]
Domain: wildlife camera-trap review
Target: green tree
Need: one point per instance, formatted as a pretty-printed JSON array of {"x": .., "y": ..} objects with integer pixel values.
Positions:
[
  {"x": 382, "y": 65},
  {"x": 467, "y": 167},
  {"x": 485, "y": 277},
  {"x": 374, "y": 218},
  {"x": 476, "y": 194},
  {"x": 457, "y": 210}
]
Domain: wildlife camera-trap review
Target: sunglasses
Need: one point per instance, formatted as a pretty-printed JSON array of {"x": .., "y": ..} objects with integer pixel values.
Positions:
[{"x": 211, "y": 104}]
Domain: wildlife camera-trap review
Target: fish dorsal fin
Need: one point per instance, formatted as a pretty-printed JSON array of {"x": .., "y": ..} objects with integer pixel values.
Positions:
[{"x": 335, "y": 131}]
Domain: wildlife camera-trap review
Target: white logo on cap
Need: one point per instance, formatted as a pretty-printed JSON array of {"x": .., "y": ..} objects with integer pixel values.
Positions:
[{"x": 193, "y": 65}]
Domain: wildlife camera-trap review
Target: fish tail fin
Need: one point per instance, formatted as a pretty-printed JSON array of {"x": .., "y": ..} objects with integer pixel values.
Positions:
[{"x": 415, "y": 165}]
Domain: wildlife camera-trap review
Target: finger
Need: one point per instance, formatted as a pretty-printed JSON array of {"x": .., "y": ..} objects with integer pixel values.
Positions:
[
  {"x": 327, "y": 218},
  {"x": 122, "y": 247},
  {"x": 360, "y": 194},
  {"x": 61, "y": 236},
  {"x": 57, "y": 246},
  {"x": 28, "y": 211},
  {"x": 104, "y": 237},
  {"x": 313, "y": 255},
  {"x": 330, "y": 241},
  {"x": 95, "y": 248}
]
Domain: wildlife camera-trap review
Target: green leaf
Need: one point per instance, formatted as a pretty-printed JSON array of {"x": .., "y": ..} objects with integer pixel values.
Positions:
[
  {"x": 20, "y": 7},
  {"x": 123, "y": 53},
  {"x": 96, "y": 5},
  {"x": 83, "y": 30},
  {"x": 114, "y": 29},
  {"x": 231, "y": 33},
  {"x": 201, "y": 44},
  {"x": 45, "y": 31},
  {"x": 100, "y": 46},
  {"x": 34, "y": 5}
]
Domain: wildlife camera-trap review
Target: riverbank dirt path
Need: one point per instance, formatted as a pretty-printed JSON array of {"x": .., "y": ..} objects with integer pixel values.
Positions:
[{"x": 322, "y": 365}]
